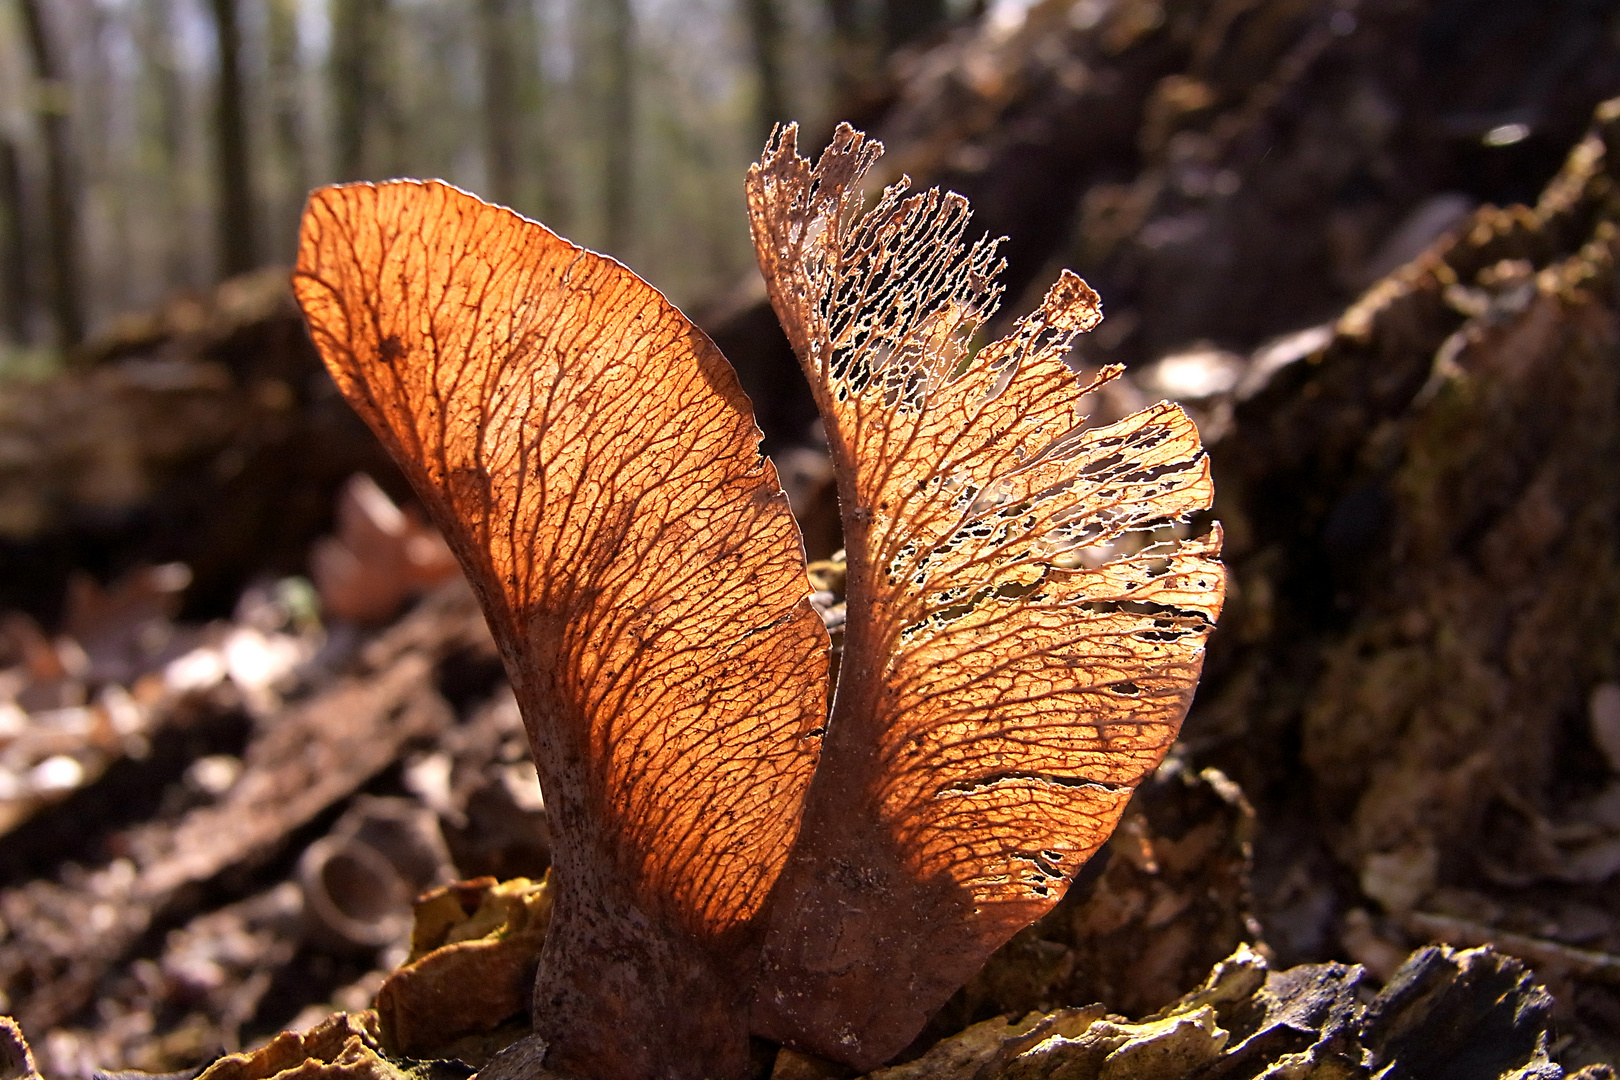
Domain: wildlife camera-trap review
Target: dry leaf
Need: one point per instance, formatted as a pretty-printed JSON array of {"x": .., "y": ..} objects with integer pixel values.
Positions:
[
  {"x": 1025, "y": 620},
  {"x": 1024, "y": 630},
  {"x": 591, "y": 459},
  {"x": 380, "y": 557}
]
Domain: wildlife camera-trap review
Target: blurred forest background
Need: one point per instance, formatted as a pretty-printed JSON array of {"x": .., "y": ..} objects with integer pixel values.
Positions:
[
  {"x": 154, "y": 145},
  {"x": 248, "y": 709}
]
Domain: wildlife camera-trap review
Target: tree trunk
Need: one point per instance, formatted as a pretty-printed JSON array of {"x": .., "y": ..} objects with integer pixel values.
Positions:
[
  {"x": 618, "y": 128},
  {"x": 503, "y": 111},
  {"x": 369, "y": 131},
  {"x": 352, "y": 49},
  {"x": 61, "y": 210},
  {"x": 155, "y": 38},
  {"x": 286, "y": 111},
  {"x": 236, "y": 248},
  {"x": 765, "y": 32},
  {"x": 548, "y": 130},
  {"x": 13, "y": 247}
]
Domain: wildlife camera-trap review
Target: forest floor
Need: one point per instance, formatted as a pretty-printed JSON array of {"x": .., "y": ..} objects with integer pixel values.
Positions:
[{"x": 248, "y": 710}]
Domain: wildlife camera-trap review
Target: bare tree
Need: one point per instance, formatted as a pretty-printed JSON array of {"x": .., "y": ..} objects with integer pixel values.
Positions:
[
  {"x": 361, "y": 104},
  {"x": 618, "y": 129},
  {"x": 348, "y": 90},
  {"x": 765, "y": 33},
  {"x": 154, "y": 37},
  {"x": 549, "y": 152},
  {"x": 237, "y": 251},
  {"x": 503, "y": 111},
  {"x": 285, "y": 106},
  {"x": 13, "y": 246},
  {"x": 522, "y": 163},
  {"x": 61, "y": 205}
]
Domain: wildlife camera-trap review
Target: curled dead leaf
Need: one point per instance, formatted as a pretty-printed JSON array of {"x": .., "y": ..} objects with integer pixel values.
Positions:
[
  {"x": 1025, "y": 621},
  {"x": 381, "y": 556},
  {"x": 591, "y": 459}
]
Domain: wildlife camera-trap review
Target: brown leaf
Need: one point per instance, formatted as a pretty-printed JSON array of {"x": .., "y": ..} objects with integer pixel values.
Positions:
[
  {"x": 1023, "y": 638},
  {"x": 145, "y": 594},
  {"x": 380, "y": 556},
  {"x": 591, "y": 459}
]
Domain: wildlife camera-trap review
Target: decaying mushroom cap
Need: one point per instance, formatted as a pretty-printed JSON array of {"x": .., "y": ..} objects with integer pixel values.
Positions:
[{"x": 1026, "y": 614}]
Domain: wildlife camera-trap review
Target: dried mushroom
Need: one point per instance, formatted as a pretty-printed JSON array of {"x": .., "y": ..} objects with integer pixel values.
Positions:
[{"x": 1025, "y": 615}]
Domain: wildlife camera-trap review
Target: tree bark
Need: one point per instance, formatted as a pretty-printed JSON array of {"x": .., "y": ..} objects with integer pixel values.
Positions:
[
  {"x": 765, "y": 33},
  {"x": 61, "y": 209},
  {"x": 237, "y": 252}
]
